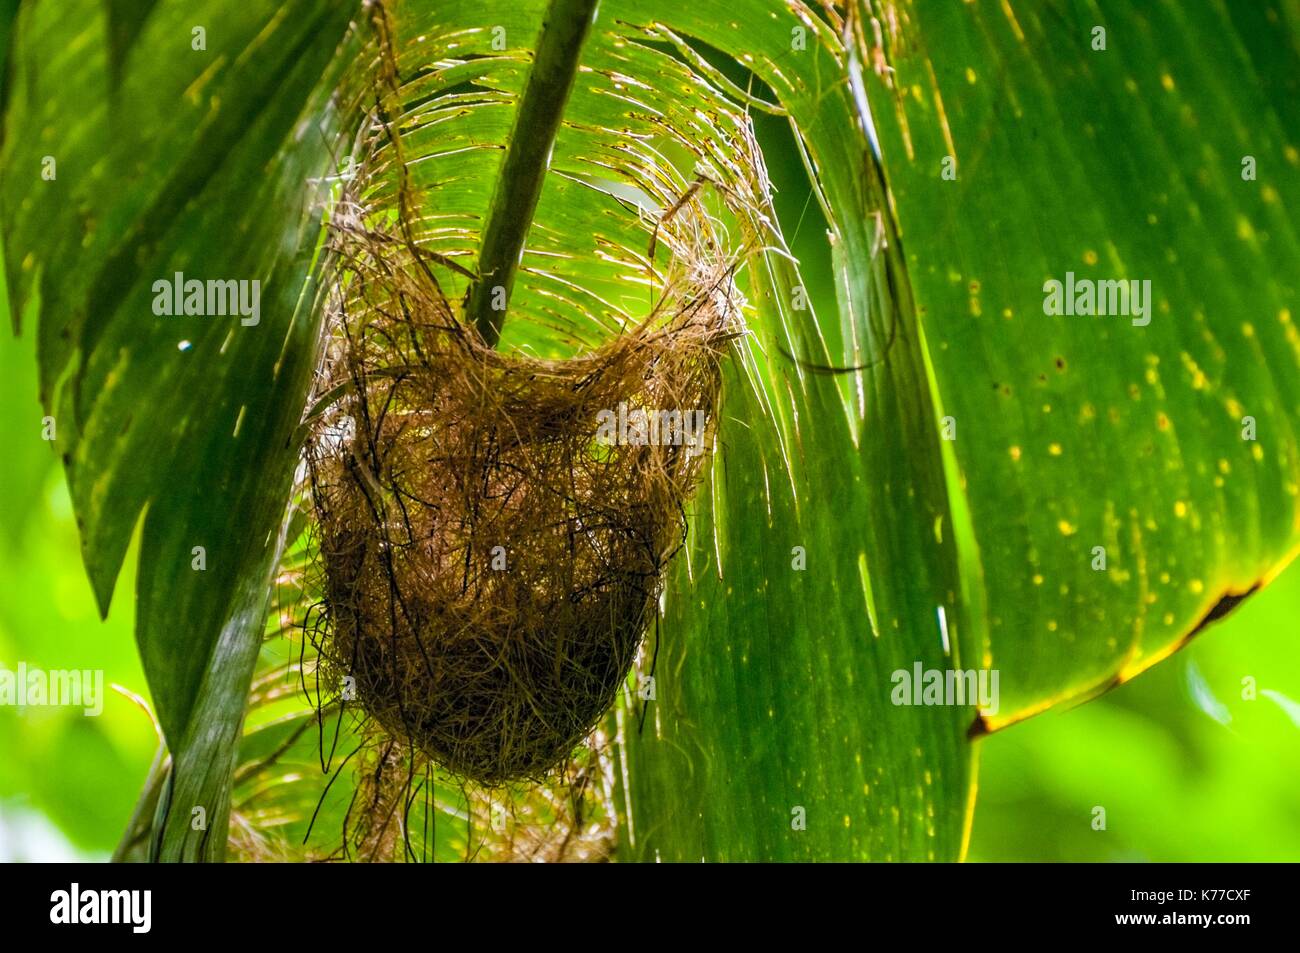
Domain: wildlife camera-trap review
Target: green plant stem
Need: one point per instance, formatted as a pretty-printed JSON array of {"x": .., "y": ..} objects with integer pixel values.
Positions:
[
  {"x": 555, "y": 65},
  {"x": 137, "y": 829}
]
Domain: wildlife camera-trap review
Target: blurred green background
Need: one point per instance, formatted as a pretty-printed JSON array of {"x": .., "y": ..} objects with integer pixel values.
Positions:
[
  {"x": 67, "y": 782},
  {"x": 1184, "y": 766}
]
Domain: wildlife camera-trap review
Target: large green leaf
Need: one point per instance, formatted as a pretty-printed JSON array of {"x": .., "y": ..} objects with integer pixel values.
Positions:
[
  {"x": 170, "y": 158},
  {"x": 773, "y": 682},
  {"x": 1077, "y": 432}
]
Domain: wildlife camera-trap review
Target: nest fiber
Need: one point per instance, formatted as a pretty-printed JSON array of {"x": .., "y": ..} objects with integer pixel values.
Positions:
[{"x": 493, "y": 527}]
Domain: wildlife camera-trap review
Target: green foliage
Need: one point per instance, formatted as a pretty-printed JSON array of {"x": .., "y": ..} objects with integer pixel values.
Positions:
[
  {"x": 1187, "y": 768},
  {"x": 83, "y": 774},
  {"x": 1076, "y": 432},
  {"x": 161, "y": 156},
  {"x": 771, "y": 735}
]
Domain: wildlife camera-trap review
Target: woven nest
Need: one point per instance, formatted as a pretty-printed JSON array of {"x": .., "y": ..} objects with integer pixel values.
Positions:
[{"x": 493, "y": 528}]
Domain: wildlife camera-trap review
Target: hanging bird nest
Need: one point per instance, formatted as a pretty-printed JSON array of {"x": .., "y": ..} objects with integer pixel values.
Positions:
[{"x": 493, "y": 528}]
